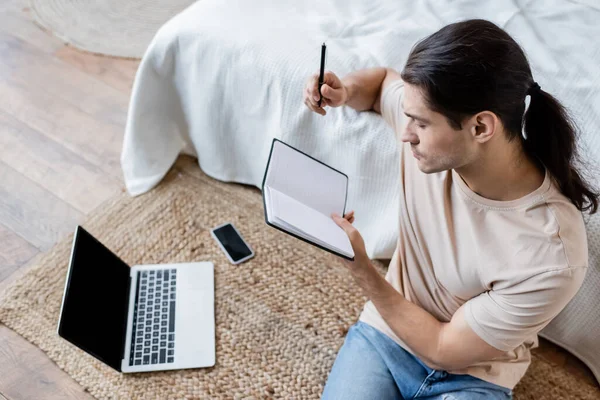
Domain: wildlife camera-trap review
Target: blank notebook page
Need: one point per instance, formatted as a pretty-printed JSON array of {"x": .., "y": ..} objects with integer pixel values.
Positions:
[
  {"x": 309, "y": 221},
  {"x": 306, "y": 180}
]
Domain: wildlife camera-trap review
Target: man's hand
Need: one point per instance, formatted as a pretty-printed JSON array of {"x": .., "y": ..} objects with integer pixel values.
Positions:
[
  {"x": 361, "y": 263},
  {"x": 333, "y": 90}
]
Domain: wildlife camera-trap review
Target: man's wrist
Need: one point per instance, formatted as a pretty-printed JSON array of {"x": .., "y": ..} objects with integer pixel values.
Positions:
[
  {"x": 367, "y": 277},
  {"x": 348, "y": 91},
  {"x": 362, "y": 88}
]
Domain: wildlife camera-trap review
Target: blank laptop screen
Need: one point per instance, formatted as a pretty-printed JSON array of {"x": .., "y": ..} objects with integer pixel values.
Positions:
[{"x": 94, "y": 311}]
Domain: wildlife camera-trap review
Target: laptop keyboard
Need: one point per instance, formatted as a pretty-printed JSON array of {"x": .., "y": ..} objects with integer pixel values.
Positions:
[{"x": 153, "y": 334}]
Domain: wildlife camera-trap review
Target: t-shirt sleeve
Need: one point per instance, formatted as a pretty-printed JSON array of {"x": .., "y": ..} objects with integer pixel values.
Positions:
[
  {"x": 391, "y": 104},
  {"x": 507, "y": 317}
]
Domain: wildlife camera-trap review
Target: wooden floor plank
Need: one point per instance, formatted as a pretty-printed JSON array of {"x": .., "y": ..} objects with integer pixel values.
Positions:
[
  {"x": 16, "y": 20},
  {"x": 32, "y": 212},
  {"x": 56, "y": 169},
  {"x": 24, "y": 62},
  {"x": 14, "y": 252},
  {"x": 118, "y": 73},
  {"x": 84, "y": 114},
  {"x": 27, "y": 373},
  {"x": 95, "y": 140}
]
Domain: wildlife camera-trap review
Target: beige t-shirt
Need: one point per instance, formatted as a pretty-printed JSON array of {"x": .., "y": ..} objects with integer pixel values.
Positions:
[{"x": 514, "y": 265}]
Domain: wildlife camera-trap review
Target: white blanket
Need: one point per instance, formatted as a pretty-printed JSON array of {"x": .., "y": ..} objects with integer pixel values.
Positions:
[{"x": 224, "y": 77}]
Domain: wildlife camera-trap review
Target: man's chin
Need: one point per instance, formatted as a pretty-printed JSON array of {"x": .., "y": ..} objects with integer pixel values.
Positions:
[
  {"x": 422, "y": 166},
  {"x": 427, "y": 169}
]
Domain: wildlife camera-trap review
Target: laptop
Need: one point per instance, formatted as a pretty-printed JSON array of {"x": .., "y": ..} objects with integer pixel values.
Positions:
[{"x": 144, "y": 318}]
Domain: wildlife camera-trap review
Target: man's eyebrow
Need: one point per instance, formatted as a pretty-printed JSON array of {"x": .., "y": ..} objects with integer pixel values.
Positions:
[{"x": 424, "y": 120}]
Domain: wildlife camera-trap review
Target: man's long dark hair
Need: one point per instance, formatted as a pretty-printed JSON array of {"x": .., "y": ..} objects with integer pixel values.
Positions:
[{"x": 473, "y": 66}]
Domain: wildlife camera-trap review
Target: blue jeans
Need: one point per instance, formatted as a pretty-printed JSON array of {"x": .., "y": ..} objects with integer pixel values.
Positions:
[{"x": 370, "y": 365}]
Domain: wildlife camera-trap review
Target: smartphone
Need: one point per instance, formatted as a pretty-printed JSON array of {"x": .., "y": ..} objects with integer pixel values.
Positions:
[{"x": 232, "y": 243}]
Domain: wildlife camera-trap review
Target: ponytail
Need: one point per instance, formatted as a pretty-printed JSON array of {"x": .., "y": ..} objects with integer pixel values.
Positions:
[{"x": 551, "y": 136}]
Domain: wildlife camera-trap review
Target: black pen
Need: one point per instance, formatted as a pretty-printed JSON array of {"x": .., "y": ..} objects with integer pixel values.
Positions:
[{"x": 322, "y": 74}]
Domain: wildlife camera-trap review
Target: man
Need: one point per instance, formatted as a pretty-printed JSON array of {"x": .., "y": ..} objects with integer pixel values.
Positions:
[{"x": 492, "y": 243}]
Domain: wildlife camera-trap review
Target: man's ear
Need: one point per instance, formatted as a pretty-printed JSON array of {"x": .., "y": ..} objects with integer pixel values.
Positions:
[{"x": 483, "y": 126}]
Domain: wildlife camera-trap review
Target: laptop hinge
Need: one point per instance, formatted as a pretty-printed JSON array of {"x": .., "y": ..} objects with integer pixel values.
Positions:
[{"x": 126, "y": 320}]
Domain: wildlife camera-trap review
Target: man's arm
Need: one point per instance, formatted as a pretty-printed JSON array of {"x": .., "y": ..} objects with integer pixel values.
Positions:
[
  {"x": 441, "y": 345},
  {"x": 360, "y": 90},
  {"x": 364, "y": 87},
  {"x": 485, "y": 327}
]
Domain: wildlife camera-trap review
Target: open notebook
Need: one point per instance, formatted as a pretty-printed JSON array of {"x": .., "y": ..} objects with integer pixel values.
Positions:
[{"x": 300, "y": 193}]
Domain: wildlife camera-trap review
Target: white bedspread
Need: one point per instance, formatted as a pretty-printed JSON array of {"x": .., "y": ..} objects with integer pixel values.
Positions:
[{"x": 224, "y": 77}]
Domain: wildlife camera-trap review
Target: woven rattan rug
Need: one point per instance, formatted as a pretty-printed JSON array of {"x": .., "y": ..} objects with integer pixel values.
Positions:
[{"x": 281, "y": 317}]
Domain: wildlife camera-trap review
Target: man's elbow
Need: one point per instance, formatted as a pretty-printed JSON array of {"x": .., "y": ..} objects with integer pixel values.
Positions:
[
  {"x": 376, "y": 106},
  {"x": 443, "y": 362},
  {"x": 437, "y": 360},
  {"x": 390, "y": 76},
  {"x": 450, "y": 356},
  {"x": 444, "y": 356}
]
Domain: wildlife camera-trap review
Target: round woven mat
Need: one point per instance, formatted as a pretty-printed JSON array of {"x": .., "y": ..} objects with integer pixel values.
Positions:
[
  {"x": 280, "y": 317},
  {"x": 121, "y": 28}
]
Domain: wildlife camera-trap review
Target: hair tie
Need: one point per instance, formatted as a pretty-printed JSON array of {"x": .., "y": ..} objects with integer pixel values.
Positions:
[{"x": 534, "y": 88}]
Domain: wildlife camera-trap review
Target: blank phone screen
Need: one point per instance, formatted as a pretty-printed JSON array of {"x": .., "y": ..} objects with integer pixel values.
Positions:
[{"x": 232, "y": 242}]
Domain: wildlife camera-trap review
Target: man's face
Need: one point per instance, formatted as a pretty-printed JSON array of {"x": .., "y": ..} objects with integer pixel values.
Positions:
[{"x": 435, "y": 144}]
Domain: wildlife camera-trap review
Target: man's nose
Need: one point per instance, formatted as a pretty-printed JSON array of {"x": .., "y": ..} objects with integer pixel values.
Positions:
[{"x": 407, "y": 136}]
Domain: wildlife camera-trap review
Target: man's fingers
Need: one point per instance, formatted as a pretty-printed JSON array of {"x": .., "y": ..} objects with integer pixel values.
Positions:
[
  {"x": 343, "y": 223},
  {"x": 312, "y": 95},
  {"x": 332, "y": 95},
  {"x": 314, "y": 87},
  {"x": 314, "y": 108},
  {"x": 349, "y": 216},
  {"x": 308, "y": 96},
  {"x": 330, "y": 78},
  {"x": 311, "y": 87},
  {"x": 311, "y": 104},
  {"x": 356, "y": 240}
]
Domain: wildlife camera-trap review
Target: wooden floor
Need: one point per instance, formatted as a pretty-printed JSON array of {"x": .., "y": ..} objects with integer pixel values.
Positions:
[{"x": 62, "y": 116}]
